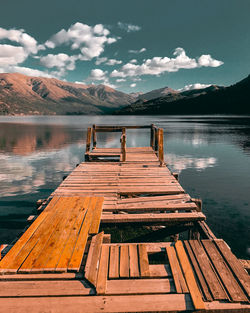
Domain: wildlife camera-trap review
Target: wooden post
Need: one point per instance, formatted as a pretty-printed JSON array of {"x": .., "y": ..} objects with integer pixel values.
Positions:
[
  {"x": 88, "y": 140},
  {"x": 160, "y": 147},
  {"x": 152, "y": 136},
  {"x": 156, "y": 139},
  {"x": 123, "y": 144},
  {"x": 198, "y": 202},
  {"x": 94, "y": 136}
]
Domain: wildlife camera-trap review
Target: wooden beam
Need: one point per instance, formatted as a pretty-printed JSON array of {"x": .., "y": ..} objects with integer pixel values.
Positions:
[
  {"x": 94, "y": 136},
  {"x": 88, "y": 140}
]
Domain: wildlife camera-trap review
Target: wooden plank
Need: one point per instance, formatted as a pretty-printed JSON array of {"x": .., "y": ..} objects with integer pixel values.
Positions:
[
  {"x": 116, "y": 303},
  {"x": 50, "y": 288},
  {"x": 148, "y": 206},
  {"x": 76, "y": 258},
  {"x": 203, "y": 284},
  {"x": 179, "y": 280},
  {"x": 47, "y": 245},
  {"x": 208, "y": 272},
  {"x": 152, "y": 217},
  {"x": 68, "y": 248},
  {"x": 94, "y": 228},
  {"x": 189, "y": 276},
  {"x": 103, "y": 270},
  {"x": 124, "y": 262},
  {"x": 92, "y": 263},
  {"x": 40, "y": 237},
  {"x": 160, "y": 270},
  {"x": 224, "y": 272},
  {"x": 54, "y": 248},
  {"x": 181, "y": 197},
  {"x": 114, "y": 262},
  {"x": 235, "y": 265},
  {"x": 143, "y": 260},
  {"x": 133, "y": 261},
  {"x": 151, "y": 190},
  {"x": 14, "y": 251},
  {"x": 140, "y": 286},
  {"x": 43, "y": 276}
]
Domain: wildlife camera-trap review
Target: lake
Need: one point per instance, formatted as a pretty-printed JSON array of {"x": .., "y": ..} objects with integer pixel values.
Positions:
[{"x": 211, "y": 154}]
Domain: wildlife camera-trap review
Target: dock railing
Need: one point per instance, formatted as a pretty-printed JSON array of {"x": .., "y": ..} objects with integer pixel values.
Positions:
[{"x": 156, "y": 138}]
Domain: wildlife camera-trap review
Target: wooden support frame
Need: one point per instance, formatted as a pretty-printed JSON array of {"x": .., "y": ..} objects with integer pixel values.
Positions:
[
  {"x": 160, "y": 146},
  {"x": 123, "y": 144},
  {"x": 88, "y": 139},
  {"x": 94, "y": 136},
  {"x": 152, "y": 136}
]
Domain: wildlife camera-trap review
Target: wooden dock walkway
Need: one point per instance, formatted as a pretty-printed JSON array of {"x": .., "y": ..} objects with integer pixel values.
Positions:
[{"x": 64, "y": 262}]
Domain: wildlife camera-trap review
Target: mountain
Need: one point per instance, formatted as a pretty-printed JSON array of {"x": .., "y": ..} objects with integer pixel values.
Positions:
[
  {"x": 21, "y": 94},
  {"x": 156, "y": 93},
  {"x": 214, "y": 99}
]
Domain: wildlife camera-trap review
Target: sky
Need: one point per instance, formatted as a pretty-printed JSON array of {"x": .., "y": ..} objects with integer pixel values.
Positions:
[{"x": 133, "y": 46}]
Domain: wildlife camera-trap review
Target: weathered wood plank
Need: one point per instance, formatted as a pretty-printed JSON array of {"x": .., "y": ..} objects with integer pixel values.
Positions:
[
  {"x": 92, "y": 263},
  {"x": 133, "y": 261},
  {"x": 76, "y": 258},
  {"x": 114, "y": 262},
  {"x": 203, "y": 284},
  {"x": 143, "y": 260},
  {"x": 94, "y": 228},
  {"x": 124, "y": 262},
  {"x": 140, "y": 286},
  {"x": 234, "y": 265},
  {"x": 179, "y": 280},
  {"x": 103, "y": 271},
  {"x": 208, "y": 272},
  {"x": 189, "y": 276},
  {"x": 224, "y": 272}
]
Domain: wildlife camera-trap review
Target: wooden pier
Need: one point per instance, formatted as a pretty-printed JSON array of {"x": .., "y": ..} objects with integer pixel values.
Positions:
[{"x": 66, "y": 262}]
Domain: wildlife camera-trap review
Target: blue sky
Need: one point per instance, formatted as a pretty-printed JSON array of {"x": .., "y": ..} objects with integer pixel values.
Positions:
[{"x": 136, "y": 45}]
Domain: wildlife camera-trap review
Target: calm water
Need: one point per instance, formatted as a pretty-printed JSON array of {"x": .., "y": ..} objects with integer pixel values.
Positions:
[{"x": 212, "y": 155}]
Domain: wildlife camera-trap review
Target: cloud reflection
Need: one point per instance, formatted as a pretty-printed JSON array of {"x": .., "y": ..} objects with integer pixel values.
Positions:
[{"x": 179, "y": 163}]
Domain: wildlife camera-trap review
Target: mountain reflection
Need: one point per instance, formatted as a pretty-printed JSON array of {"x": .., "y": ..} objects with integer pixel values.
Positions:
[{"x": 25, "y": 139}]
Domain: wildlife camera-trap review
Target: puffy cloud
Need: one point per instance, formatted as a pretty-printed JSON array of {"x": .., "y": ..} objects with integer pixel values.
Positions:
[
  {"x": 18, "y": 35},
  {"x": 133, "y": 61},
  {"x": 90, "y": 40},
  {"x": 137, "y": 51},
  {"x": 11, "y": 55},
  {"x": 97, "y": 74},
  {"x": 113, "y": 62},
  {"x": 100, "y": 75},
  {"x": 128, "y": 27},
  {"x": 207, "y": 60},
  {"x": 60, "y": 60},
  {"x": 159, "y": 65},
  {"x": 133, "y": 85},
  {"x": 194, "y": 86}
]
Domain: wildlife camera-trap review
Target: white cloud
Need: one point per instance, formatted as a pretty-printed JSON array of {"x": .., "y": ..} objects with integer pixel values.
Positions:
[
  {"x": 11, "y": 55},
  {"x": 100, "y": 60},
  {"x": 90, "y": 40},
  {"x": 137, "y": 51},
  {"x": 113, "y": 62},
  {"x": 128, "y": 27},
  {"x": 60, "y": 61},
  {"x": 18, "y": 35},
  {"x": 194, "y": 86},
  {"x": 120, "y": 80},
  {"x": 26, "y": 71},
  {"x": 100, "y": 76},
  {"x": 133, "y": 85},
  {"x": 97, "y": 74},
  {"x": 133, "y": 61},
  {"x": 207, "y": 60},
  {"x": 159, "y": 65}
]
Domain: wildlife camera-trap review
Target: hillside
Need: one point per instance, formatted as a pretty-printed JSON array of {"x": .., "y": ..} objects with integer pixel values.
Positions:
[
  {"x": 234, "y": 99},
  {"x": 21, "y": 94}
]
